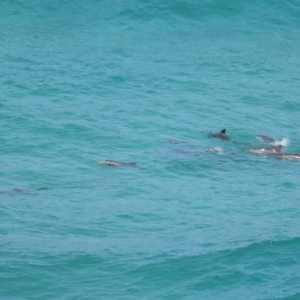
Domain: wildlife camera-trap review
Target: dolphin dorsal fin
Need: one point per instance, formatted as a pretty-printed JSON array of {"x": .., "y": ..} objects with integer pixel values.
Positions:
[
  {"x": 278, "y": 148},
  {"x": 223, "y": 131}
]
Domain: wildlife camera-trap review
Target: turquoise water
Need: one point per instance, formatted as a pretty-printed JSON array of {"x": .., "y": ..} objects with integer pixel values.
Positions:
[{"x": 140, "y": 81}]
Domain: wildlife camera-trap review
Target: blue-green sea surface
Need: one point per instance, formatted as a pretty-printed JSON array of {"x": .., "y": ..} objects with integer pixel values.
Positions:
[{"x": 144, "y": 81}]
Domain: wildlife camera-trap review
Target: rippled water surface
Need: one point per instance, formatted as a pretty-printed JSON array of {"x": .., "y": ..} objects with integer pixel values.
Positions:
[{"x": 145, "y": 81}]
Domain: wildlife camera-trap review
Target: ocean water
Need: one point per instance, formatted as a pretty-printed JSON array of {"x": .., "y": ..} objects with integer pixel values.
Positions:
[{"x": 144, "y": 81}]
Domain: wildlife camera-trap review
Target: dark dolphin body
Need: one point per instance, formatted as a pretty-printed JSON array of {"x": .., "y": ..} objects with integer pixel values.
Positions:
[
  {"x": 175, "y": 142},
  {"x": 266, "y": 139},
  {"x": 221, "y": 135},
  {"x": 266, "y": 151},
  {"x": 14, "y": 191},
  {"x": 19, "y": 191},
  {"x": 287, "y": 156},
  {"x": 275, "y": 152},
  {"x": 187, "y": 151},
  {"x": 114, "y": 163}
]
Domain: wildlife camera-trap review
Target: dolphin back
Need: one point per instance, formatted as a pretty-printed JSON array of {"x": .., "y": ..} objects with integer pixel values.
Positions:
[{"x": 277, "y": 148}]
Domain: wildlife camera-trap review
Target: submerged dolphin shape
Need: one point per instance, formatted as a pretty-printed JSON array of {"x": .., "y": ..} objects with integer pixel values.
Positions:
[
  {"x": 175, "y": 142},
  {"x": 265, "y": 138},
  {"x": 20, "y": 191},
  {"x": 221, "y": 135},
  {"x": 14, "y": 191},
  {"x": 114, "y": 163},
  {"x": 287, "y": 156},
  {"x": 266, "y": 151},
  {"x": 275, "y": 152}
]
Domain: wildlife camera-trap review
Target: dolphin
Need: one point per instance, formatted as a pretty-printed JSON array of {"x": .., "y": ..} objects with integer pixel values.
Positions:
[
  {"x": 287, "y": 156},
  {"x": 175, "y": 142},
  {"x": 20, "y": 191},
  {"x": 14, "y": 191},
  {"x": 114, "y": 163},
  {"x": 275, "y": 152},
  {"x": 215, "y": 149},
  {"x": 221, "y": 135},
  {"x": 266, "y": 139},
  {"x": 266, "y": 151}
]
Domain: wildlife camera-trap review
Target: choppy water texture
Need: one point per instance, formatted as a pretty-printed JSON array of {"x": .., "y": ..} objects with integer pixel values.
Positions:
[{"x": 140, "y": 81}]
